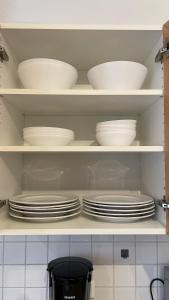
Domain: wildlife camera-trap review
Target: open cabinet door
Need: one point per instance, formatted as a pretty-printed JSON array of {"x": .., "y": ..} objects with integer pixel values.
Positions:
[{"x": 166, "y": 117}]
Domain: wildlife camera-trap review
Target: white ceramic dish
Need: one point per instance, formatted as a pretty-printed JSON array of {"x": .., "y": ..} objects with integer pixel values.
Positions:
[
  {"x": 116, "y": 199},
  {"x": 48, "y": 140},
  {"x": 45, "y": 207},
  {"x": 48, "y": 130},
  {"x": 117, "y": 75},
  {"x": 110, "y": 138},
  {"x": 45, "y": 73},
  {"x": 43, "y": 199},
  {"x": 101, "y": 208},
  {"x": 118, "y": 219},
  {"x": 119, "y": 206},
  {"x": 114, "y": 214},
  {"x": 43, "y": 219},
  {"x": 118, "y": 122},
  {"x": 45, "y": 213}
]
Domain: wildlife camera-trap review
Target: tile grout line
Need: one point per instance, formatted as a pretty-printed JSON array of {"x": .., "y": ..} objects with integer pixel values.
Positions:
[
  {"x": 26, "y": 240},
  {"x": 3, "y": 267}
]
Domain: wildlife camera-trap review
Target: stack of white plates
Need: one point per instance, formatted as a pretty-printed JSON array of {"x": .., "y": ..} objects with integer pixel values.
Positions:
[
  {"x": 46, "y": 207},
  {"x": 116, "y": 133},
  {"x": 119, "y": 208},
  {"x": 48, "y": 136}
]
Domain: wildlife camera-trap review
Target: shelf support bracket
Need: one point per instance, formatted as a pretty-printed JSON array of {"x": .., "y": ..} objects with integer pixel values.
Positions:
[{"x": 163, "y": 53}]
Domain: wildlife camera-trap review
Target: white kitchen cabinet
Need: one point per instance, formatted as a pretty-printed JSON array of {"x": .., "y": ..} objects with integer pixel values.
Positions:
[{"x": 144, "y": 167}]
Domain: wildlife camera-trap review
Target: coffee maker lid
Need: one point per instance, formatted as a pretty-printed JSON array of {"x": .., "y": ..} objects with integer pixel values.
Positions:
[{"x": 70, "y": 267}]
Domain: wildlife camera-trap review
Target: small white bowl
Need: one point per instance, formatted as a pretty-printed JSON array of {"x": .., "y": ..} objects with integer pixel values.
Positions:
[
  {"x": 117, "y": 75},
  {"x": 115, "y": 138},
  {"x": 46, "y": 130},
  {"x": 45, "y": 73},
  {"x": 48, "y": 140}
]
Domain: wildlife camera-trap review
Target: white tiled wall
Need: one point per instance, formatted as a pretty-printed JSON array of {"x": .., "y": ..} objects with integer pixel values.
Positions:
[{"x": 23, "y": 261}]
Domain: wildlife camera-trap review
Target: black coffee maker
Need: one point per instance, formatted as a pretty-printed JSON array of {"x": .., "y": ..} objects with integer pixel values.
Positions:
[{"x": 70, "y": 278}]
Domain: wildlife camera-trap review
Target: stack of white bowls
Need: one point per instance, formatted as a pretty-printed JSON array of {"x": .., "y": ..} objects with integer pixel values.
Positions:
[
  {"x": 116, "y": 133},
  {"x": 47, "y": 136}
]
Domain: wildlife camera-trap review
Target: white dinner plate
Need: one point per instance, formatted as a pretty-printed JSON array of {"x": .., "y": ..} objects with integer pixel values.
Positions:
[
  {"x": 118, "y": 219},
  {"x": 118, "y": 209},
  {"x": 49, "y": 213},
  {"x": 114, "y": 214},
  {"x": 116, "y": 199},
  {"x": 43, "y": 219},
  {"x": 118, "y": 206},
  {"x": 45, "y": 208},
  {"x": 43, "y": 199}
]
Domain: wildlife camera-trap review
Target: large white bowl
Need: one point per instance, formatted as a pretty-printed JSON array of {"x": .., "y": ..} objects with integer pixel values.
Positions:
[
  {"x": 48, "y": 140},
  {"x": 117, "y": 75},
  {"x": 45, "y": 73},
  {"x": 115, "y": 138}
]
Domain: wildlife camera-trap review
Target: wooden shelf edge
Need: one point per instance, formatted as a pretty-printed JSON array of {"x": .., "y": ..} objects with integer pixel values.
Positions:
[
  {"x": 68, "y": 149},
  {"x": 80, "y": 26},
  {"x": 82, "y": 92}
]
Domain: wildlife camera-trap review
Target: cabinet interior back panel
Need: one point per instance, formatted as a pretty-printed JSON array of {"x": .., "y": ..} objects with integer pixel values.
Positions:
[
  {"x": 86, "y": 48},
  {"x": 81, "y": 171}
]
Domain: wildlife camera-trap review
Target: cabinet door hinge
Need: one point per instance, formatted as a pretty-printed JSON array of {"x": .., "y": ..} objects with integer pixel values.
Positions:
[
  {"x": 3, "y": 54},
  {"x": 163, "y": 203},
  {"x": 163, "y": 53}
]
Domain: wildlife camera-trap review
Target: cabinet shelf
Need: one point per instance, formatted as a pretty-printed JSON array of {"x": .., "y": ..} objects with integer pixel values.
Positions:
[
  {"x": 79, "y": 225},
  {"x": 81, "y": 149},
  {"x": 81, "y": 101}
]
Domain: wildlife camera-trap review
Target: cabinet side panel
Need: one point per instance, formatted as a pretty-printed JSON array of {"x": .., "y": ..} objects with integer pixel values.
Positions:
[
  {"x": 11, "y": 124},
  {"x": 10, "y": 174},
  {"x": 153, "y": 179},
  {"x": 166, "y": 117},
  {"x": 8, "y": 70}
]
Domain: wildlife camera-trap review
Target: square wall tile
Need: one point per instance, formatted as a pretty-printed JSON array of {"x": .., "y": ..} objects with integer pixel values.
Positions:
[
  {"x": 1, "y": 291},
  {"x": 146, "y": 253},
  {"x": 102, "y": 253},
  {"x": 104, "y": 293},
  {"x": 58, "y": 250},
  {"x": 102, "y": 238},
  {"x": 35, "y": 293},
  {"x": 1, "y": 238},
  {"x": 124, "y": 276},
  {"x": 80, "y": 238},
  {"x": 14, "y": 238},
  {"x": 37, "y": 238},
  {"x": 163, "y": 238},
  {"x": 13, "y": 294},
  {"x": 161, "y": 273},
  {"x": 103, "y": 275},
  {"x": 124, "y": 238},
  {"x": 14, "y": 253},
  {"x": 58, "y": 238},
  {"x": 163, "y": 253},
  {"x": 1, "y": 278},
  {"x": 82, "y": 249},
  {"x": 146, "y": 238},
  {"x": 36, "y": 253},
  {"x": 118, "y": 260},
  {"x": 143, "y": 293},
  {"x": 14, "y": 276},
  {"x": 124, "y": 294},
  {"x": 144, "y": 274},
  {"x": 1, "y": 253},
  {"x": 36, "y": 276}
]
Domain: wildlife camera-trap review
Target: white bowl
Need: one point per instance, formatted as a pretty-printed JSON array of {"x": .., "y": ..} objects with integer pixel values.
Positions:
[
  {"x": 46, "y": 130},
  {"x": 118, "y": 122},
  {"x": 45, "y": 73},
  {"x": 117, "y": 75},
  {"x": 115, "y": 138},
  {"x": 120, "y": 127},
  {"x": 48, "y": 140}
]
